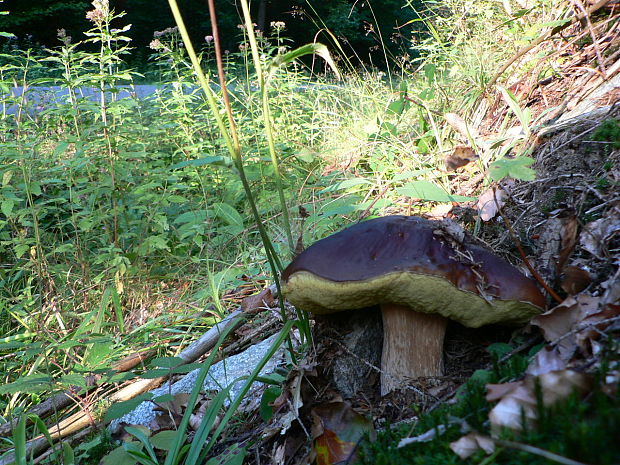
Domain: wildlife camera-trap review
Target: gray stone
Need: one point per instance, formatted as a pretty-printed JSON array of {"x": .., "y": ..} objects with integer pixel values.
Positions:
[{"x": 220, "y": 375}]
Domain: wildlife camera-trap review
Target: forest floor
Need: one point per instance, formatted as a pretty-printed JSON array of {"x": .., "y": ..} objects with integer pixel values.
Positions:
[{"x": 567, "y": 221}]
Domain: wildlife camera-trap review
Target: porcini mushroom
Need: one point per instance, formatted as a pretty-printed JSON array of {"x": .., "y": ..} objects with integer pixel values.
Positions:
[{"x": 420, "y": 275}]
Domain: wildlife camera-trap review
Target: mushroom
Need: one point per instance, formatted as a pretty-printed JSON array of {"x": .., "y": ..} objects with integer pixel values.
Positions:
[{"x": 421, "y": 273}]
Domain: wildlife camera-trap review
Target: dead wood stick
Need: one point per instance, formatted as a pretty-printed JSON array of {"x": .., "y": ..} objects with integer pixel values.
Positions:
[
  {"x": 597, "y": 6},
  {"x": 66, "y": 398},
  {"x": 85, "y": 418},
  {"x": 517, "y": 242}
]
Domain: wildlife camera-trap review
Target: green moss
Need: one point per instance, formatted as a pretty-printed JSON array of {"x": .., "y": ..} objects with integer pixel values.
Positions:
[
  {"x": 583, "y": 429},
  {"x": 608, "y": 131}
]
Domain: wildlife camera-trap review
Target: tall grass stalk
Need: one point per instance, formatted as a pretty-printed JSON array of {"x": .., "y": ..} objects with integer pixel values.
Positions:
[
  {"x": 267, "y": 121},
  {"x": 234, "y": 149}
]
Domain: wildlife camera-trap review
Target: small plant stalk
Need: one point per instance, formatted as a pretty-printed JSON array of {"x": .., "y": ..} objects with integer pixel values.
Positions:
[
  {"x": 233, "y": 148},
  {"x": 267, "y": 122}
]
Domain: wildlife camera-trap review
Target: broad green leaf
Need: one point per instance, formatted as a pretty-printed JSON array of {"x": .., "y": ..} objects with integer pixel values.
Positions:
[
  {"x": 396, "y": 107},
  {"x": 191, "y": 217},
  {"x": 164, "y": 439},
  {"x": 6, "y": 178},
  {"x": 389, "y": 127},
  {"x": 61, "y": 147},
  {"x": 119, "y": 409},
  {"x": 63, "y": 248},
  {"x": 215, "y": 159},
  {"x": 7, "y": 207},
  {"x": 142, "y": 434},
  {"x": 119, "y": 456},
  {"x": 345, "y": 185},
  {"x": 186, "y": 368},
  {"x": 68, "y": 456},
  {"x": 97, "y": 354},
  {"x": 235, "y": 455},
  {"x": 28, "y": 384},
  {"x": 425, "y": 190},
  {"x": 21, "y": 249},
  {"x": 270, "y": 394},
  {"x": 306, "y": 155},
  {"x": 516, "y": 168},
  {"x": 74, "y": 379},
  {"x": 228, "y": 214},
  {"x": 35, "y": 188},
  {"x": 163, "y": 398},
  {"x": 155, "y": 373}
]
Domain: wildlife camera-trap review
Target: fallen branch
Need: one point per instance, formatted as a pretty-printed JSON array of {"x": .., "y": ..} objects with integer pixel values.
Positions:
[
  {"x": 85, "y": 418},
  {"x": 66, "y": 398},
  {"x": 527, "y": 263}
]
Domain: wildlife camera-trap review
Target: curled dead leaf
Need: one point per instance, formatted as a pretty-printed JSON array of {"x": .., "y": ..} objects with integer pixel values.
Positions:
[
  {"x": 460, "y": 156},
  {"x": 574, "y": 279},
  {"x": 518, "y": 401},
  {"x": 258, "y": 302},
  {"x": 490, "y": 202},
  {"x": 336, "y": 430},
  {"x": 597, "y": 234},
  {"x": 471, "y": 443},
  {"x": 459, "y": 125},
  {"x": 568, "y": 237},
  {"x": 547, "y": 359},
  {"x": 561, "y": 320}
]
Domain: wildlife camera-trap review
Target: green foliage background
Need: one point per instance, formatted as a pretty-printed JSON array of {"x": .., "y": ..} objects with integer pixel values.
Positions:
[{"x": 368, "y": 30}]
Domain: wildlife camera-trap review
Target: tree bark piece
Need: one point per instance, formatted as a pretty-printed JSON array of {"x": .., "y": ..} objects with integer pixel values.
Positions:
[{"x": 412, "y": 346}]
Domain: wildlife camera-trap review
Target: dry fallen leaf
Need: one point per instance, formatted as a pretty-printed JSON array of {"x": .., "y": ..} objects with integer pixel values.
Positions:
[
  {"x": 596, "y": 235},
  {"x": 460, "y": 156},
  {"x": 563, "y": 319},
  {"x": 519, "y": 403},
  {"x": 336, "y": 430},
  {"x": 574, "y": 279},
  {"x": 568, "y": 237},
  {"x": 439, "y": 211},
  {"x": 258, "y": 302},
  {"x": 547, "y": 359},
  {"x": 487, "y": 206},
  {"x": 470, "y": 443},
  {"x": 460, "y": 126}
]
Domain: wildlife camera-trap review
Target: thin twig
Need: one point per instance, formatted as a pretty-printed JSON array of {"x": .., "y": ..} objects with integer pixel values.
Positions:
[
  {"x": 535, "y": 273},
  {"x": 536, "y": 451},
  {"x": 423, "y": 105},
  {"x": 597, "y": 50},
  {"x": 583, "y": 326}
]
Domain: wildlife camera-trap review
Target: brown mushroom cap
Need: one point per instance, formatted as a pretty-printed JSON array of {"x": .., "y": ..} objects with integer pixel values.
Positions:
[{"x": 410, "y": 261}]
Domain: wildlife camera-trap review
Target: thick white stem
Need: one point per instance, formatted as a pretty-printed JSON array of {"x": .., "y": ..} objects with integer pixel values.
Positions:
[{"x": 412, "y": 346}]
